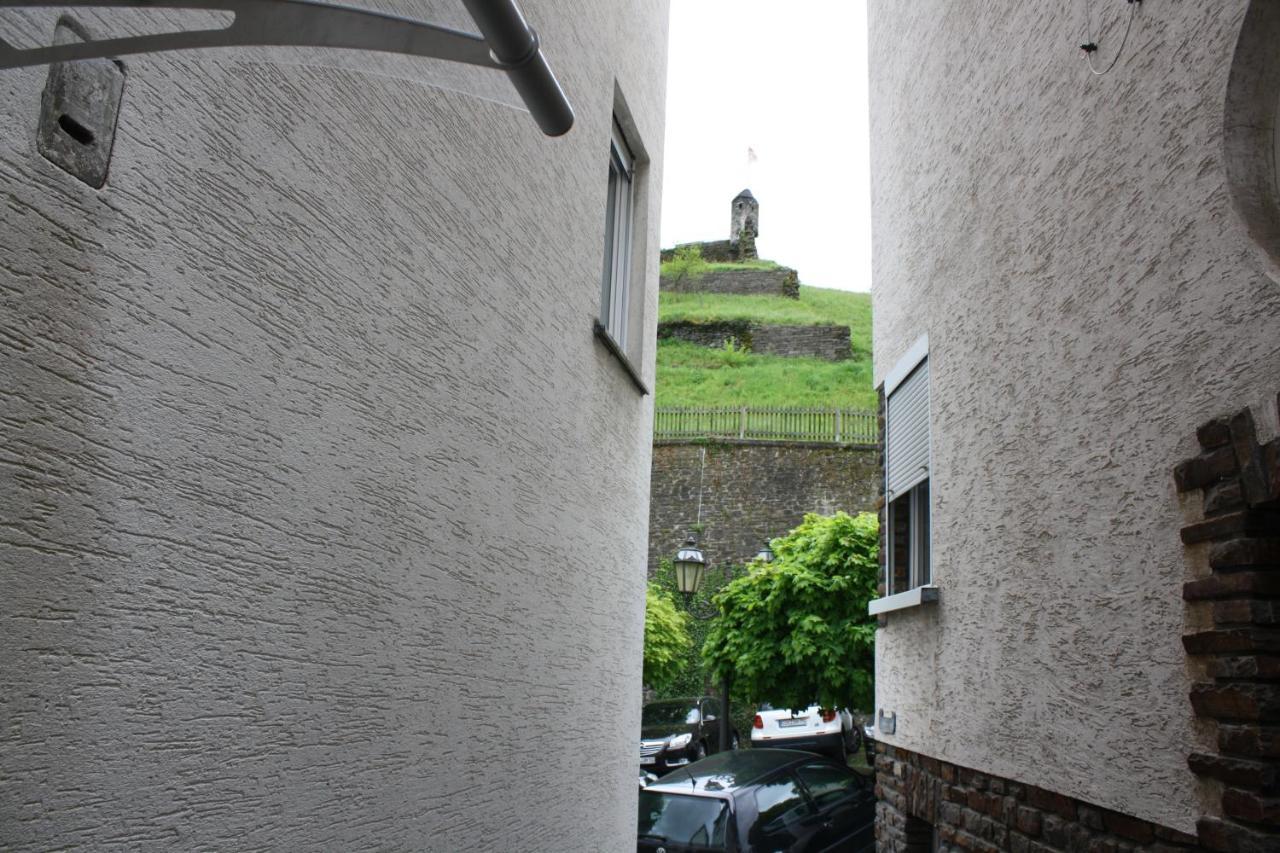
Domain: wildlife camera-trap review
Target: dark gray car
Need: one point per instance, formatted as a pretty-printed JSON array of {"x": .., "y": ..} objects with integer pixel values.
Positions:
[
  {"x": 758, "y": 800},
  {"x": 676, "y": 732}
]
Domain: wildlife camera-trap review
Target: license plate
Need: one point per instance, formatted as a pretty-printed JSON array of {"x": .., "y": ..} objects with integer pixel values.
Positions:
[
  {"x": 786, "y": 724},
  {"x": 648, "y": 759}
]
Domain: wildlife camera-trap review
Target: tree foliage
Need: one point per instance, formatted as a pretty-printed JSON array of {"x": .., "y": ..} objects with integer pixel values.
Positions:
[
  {"x": 693, "y": 677},
  {"x": 796, "y": 630},
  {"x": 666, "y": 638}
]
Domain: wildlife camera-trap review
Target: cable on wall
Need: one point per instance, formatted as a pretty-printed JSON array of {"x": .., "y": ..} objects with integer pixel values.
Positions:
[{"x": 1090, "y": 45}]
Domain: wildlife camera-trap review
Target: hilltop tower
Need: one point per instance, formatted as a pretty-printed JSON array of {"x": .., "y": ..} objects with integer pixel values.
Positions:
[{"x": 744, "y": 224}]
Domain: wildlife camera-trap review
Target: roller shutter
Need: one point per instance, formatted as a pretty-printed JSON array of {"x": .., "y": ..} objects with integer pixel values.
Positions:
[{"x": 907, "y": 433}]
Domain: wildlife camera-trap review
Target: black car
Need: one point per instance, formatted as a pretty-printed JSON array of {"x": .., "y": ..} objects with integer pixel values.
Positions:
[
  {"x": 676, "y": 732},
  {"x": 758, "y": 801}
]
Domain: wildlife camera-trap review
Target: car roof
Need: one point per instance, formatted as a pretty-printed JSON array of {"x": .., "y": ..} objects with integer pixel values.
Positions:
[{"x": 727, "y": 771}]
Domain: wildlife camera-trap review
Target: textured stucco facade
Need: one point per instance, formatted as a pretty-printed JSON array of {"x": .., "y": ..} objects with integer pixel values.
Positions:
[
  {"x": 1068, "y": 244},
  {"x": 320, "y": 503}
]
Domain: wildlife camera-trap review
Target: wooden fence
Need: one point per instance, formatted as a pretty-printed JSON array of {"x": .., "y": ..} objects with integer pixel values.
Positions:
[{"x": 849, "y": 426}]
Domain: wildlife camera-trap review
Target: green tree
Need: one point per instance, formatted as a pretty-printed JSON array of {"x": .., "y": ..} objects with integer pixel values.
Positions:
[
  {"x": 666, "y": 638},
  {"x": 796, "y": 630}
]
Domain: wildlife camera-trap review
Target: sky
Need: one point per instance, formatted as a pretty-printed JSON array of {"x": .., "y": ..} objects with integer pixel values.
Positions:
[{"x": 789, "y": 82}]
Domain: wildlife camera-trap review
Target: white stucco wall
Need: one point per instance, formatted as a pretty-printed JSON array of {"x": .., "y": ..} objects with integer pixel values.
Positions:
[
  {"x": 322, "y": 512},
  {"x": 1067, "y": 243}
]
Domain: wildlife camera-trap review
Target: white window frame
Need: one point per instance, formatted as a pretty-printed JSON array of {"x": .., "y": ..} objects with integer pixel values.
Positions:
[
  {"x": 916, "y": 501},
  {"x": 615, "y": 296}
]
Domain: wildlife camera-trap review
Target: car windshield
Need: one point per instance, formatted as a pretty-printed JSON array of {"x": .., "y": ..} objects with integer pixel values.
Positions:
[
  {"x": 662, "y": 713},
  {"x": 698, "y": 822}
]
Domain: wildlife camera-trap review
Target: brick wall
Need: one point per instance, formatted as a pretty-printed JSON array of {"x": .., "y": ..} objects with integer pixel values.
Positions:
[
  {"x": 751, "y": 490},
  {"x": 825, "y": 342},
  {"x": 744, "y": 282},
  {"x": 976, "y": 811},
  {"x": 1237, "y": 650}
]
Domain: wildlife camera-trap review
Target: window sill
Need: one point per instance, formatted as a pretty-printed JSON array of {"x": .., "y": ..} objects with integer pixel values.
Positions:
[
  {"x": 612, "y": 346},
  {"x": 902, "y": 600}
]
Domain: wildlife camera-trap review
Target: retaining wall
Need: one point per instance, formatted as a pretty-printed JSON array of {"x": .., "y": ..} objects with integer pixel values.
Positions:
[
  {"x": 781, "y": 281},
  {"x": 750, "y": 490}
]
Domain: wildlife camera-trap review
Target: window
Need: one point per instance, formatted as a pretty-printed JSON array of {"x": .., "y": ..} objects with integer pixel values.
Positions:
[
  {"x": 616, "y": 282},
  {"x": 681, "y": 820},
  {"x": 829, "y": 785},
  {"x": 907, "y": 459},
  {"x": 782, "y": 808}
]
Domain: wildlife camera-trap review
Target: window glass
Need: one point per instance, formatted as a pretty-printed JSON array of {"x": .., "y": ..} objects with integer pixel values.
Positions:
[
  {"x": 660, "y": 713},
  {"x": 700, "y": 822},
  {"x": 923, "y": 570},
  {"x": 710, "y": 708},
  {"x": 782, "y": 807},
  {"x": 615, "y": 285},
  {"x": 829, "y": 784}
]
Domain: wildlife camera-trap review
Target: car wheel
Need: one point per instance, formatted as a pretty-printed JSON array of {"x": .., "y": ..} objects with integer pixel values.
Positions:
[
  {"x": 855, "y": 740},
  {"x": 701, "y": 752},
  {"x": 841, "y": 753}
]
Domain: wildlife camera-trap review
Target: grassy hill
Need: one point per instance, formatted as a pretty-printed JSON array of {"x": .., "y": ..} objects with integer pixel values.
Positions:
[{"x": 694, "y": 376}]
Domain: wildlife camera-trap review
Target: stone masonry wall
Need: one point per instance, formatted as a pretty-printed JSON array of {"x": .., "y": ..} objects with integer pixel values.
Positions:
[
  {"x": 781, "y": 281},
  {"x": 1234, "y": 641},
  {"x": 711, "y": 335},
  {"x": 825, "y": 342},
  {"x": 974, "y": 811},
  {"x": 714, "y": 251},
  {"x": 750, "y": 490}
]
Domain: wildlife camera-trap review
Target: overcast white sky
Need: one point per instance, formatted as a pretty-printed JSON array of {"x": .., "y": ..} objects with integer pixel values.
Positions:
[{"x": 790, "y": 82}]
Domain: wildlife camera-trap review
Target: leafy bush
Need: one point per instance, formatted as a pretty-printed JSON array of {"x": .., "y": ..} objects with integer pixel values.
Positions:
[
  {"x": 686, "y": 264},
  {"x": 666, "y": 638},
  {"x": 796, "y": 630}
]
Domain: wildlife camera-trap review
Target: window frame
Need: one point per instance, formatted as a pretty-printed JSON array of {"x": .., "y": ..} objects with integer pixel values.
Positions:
[
  {"x": 615, "y": 286},
  {"x": 919, "y": 569},
  {"x": 915, "y": 502}
]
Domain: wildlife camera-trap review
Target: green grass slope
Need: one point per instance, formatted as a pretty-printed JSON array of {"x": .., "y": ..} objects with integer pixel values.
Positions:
[{"x": 699, "y": 377}]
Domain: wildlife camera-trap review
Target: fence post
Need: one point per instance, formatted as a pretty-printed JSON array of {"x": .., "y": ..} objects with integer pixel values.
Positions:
[
  {"x": 838, "y": 426},
  {"x": 742, "y": 422}
]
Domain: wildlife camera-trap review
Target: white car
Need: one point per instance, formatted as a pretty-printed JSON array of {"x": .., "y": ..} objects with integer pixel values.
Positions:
[{"x": 829, "y": 732}]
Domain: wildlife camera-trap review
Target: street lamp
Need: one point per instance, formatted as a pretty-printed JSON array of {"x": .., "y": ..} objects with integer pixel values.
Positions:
[
  {"x": 765, "y": 554},
  {"x": 690, "y": 565}
]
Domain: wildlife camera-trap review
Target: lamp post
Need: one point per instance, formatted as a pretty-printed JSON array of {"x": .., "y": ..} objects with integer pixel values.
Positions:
[
  {"x": 765, "y": 554},
  {"x": 690, "y": 566}
]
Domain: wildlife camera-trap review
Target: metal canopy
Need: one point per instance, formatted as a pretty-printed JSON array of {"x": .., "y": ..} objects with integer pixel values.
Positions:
[{"x": 505, "y": 41}]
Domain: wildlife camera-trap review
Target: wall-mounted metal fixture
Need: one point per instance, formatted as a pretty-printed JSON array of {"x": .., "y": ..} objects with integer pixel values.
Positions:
[
  {"x": 505, "y": 42},
  {"x": 78, "y": 111},
  {"x": 888, "y": 722}
]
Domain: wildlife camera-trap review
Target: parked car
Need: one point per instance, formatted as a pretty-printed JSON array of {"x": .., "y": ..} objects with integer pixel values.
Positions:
[
  {"x": 831, "y": 733},
  {"x": 675, "y": 732},
  {"x": 759, "y": 801}
]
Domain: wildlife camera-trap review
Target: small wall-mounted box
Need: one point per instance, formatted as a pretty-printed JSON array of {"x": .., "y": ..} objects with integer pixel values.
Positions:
[{"x": 78, "y": 111}]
